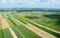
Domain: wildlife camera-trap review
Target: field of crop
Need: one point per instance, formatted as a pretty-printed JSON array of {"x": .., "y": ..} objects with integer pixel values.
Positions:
[{"x": 35, "y": 24}]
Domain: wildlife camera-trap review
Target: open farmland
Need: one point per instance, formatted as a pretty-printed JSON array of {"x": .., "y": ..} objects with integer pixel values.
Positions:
[{"x": 35, "y": 24}]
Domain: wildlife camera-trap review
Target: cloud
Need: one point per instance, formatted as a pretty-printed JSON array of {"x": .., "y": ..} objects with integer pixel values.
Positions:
[
  {"x": 11, "y": 1},
  {"x": 55, "y": 1},
  {"x": 3, "y": 1},
  {"x": 32, "y": 3},
  {"x": 38, "y": 3}
]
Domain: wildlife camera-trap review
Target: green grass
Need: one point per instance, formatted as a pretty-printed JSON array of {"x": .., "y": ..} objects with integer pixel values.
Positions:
[
  {"x": 7, "y": 33},
  {"x": 2, "y": 34},
  {"x": 49, "y": 31},
  {"x": 26, "y": 32},
  {"x": 23, "y": 32},
  {"x": 56, "y": 27},
  {"x": 1, "y": 31}
]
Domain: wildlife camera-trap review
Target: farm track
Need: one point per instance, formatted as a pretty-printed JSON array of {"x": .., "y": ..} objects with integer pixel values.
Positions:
[
  {"x": 15, "y": 29},
  {"x": 48, "y": 25},
  {"x": 25, "y": 28},
  {"x": 13, "y": 33},
  {"x": 36, "y": 30},
  {"x": 5, "y": 25},
  {"x": 1, "y": 30},
  {"x": 44, "y": 26},
  {"x": 30, "y": 33},
  {"x": 49, "y": 31},
  {"x": 57, "y": 32}
]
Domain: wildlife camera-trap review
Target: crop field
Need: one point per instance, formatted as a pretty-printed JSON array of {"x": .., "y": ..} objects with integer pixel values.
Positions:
[{"x": 34, "y": 24}]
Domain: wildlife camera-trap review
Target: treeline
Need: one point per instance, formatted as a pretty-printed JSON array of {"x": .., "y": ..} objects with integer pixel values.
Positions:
[{"x": 21, "y": 10}]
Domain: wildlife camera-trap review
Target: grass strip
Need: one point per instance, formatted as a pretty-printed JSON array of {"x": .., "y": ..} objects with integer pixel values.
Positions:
[
  {"x": 49, "y": 31},
  {"x": 7, "y": 33},
  {"x": 26, "y": 32}
]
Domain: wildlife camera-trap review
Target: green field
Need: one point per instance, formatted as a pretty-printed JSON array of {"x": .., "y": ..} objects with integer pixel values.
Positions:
[{"x": 35, "y": 18}]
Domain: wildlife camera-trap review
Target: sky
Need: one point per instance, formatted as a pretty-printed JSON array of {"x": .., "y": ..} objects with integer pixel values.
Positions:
[{"x": 29, "y": 3}]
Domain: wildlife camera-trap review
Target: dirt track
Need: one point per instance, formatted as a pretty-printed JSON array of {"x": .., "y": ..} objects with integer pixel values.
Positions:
[
  {"x": 5, "y": 25},
  {"x": 46, "y": 27},
  {"x": 39, "y": 32}
]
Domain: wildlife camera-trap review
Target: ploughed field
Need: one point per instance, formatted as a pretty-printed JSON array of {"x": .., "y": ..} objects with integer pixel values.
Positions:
[{"x": 29, "y": 24}]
